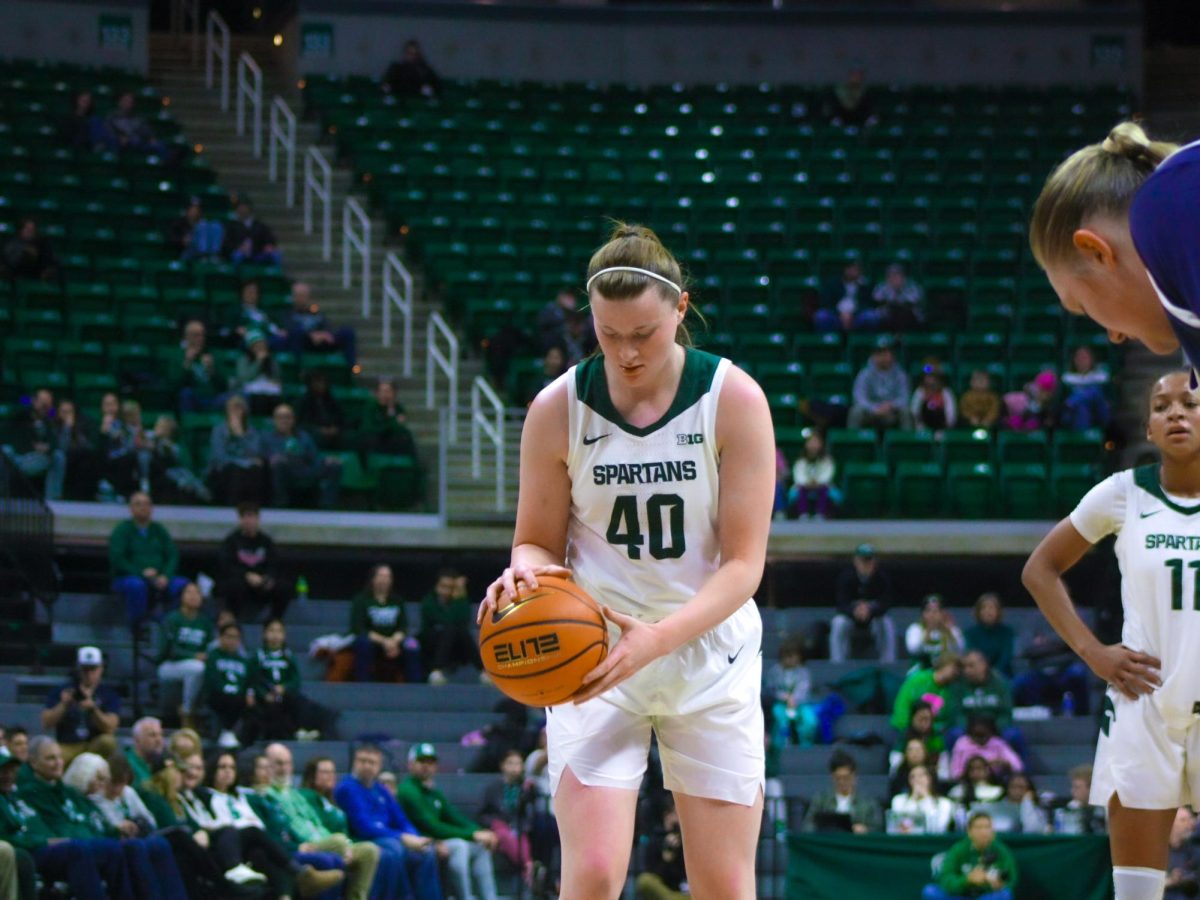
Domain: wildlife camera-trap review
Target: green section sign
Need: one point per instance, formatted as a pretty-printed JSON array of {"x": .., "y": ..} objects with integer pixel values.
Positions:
[
  {"x": 316, "y": 40},
  {"x": 116, "y": 32}
]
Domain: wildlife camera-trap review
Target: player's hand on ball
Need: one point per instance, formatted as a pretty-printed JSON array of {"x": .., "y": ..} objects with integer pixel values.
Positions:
[
  {"x": 638, "y": 645},
  {"x": 1128, "y": 671},
  {"x": 503, "y": 590}
]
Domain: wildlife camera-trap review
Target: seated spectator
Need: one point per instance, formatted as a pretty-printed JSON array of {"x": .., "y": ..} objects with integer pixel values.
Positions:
[
  {"x": 256, "y": 375},
  {"x": 383, "y": 428},
  {"x": 90, "y": 775},
  {"x": 915, "y": 753},
  {"x": 128, "y": 132},
  {"x": 1036, "y": 407},
  {"x": 35, "y": 450},
  {"x": 981, "y": 740},
  {"x": 977, "y": 866},
  {"x": 249, "y": 576},
  {"x": 664, "y": 877},
  {"x": 249, "y": 240},
  {"x": 309, "y": 329},
  {"x": 18, "y": 743},
  {"x": 118, "y": 452},
  {"x": 933, "y": 634},
  {"x": 990, "y": 636},
  {"x": 78, "y": 442},
  {"x": 143, "y": 561},
  {"x": 1019, "y": 811},
  {"x": 319, "y": 412},
  {"x": 850, "y": 103},
  {"x": 977, "y": 785},
  {"x": 938, "y": 687},
  {"x": 979, "y": 406},
  {"x": 138, "y": 440},
  {"x": 198, "y": 381},
  {"x": 235, "y": 464},
  {"x": 787, "y": 686},
  {"x": 847, "y": 304},
  {"x": 170, "y": 479},
  {"x": 932, "y": 405},
  {"x": 252, "y": 318},
  {"x": 580, "y": 340},
  {"x": 193, "y": 237},
  {"x": 146, "y": 752},
  {"x": 1079, "y": 815},
  {"x": 81, "y": 128},
  {"x": 446, "y": 618},
  {"x": 525, "y": 834},
  {"x": 900, "y": 301},
  {"x": 84, "y": 713},
  {"x": 1183, "y": 858},
  {"x": 812, "y": 480},
  {"x": 227, "y": 689},
  {"x": 1086, "y": 404},
  {"x": 299, "y": 473},
  {"x": 186, "y": 741},
  {"x": 920, "y": 729},
  {"x": 284, "y": 713},
  {"x": 1055, "y": 678},
  {"x": 373, "y": 814},
  {"x": 881, "y": 392},
  {"x": 465, "y": 846},
  {"x": 552, "y": 320},
  {"x": 183, "y": 640},
  {"x": 985, "y": 692},
  {"x": 920, "y": 810},
  {"x": 412, "y": 76},
  {"x": 830, "y": 809},
  {"x": 554, "y": 363},
  {"x": 27, "y": 255},
  {"x": 862, "y": 628},
  {"x": 383, "y": 649}
]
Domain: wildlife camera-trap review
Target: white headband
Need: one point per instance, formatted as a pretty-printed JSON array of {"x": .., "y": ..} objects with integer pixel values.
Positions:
[{"x": 667, "y": 281}]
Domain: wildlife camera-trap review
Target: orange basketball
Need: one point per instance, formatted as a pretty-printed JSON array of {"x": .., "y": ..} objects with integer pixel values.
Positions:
[{"x": 538, "y": 649}]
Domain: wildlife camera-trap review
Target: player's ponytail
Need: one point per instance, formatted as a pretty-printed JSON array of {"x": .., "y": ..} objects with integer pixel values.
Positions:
[{"x": 1099, "y": 180}]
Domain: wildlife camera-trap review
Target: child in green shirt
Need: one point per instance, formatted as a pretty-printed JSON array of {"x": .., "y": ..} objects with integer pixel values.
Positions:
[
  {"x": 183, "y": 647},
  {"x": 227, "y": 688}
]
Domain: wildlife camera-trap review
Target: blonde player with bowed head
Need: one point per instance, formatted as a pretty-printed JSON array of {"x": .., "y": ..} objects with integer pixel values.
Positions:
[
  {"x": 1148, "y": 752},
  {"x": 648, "y": 475}
]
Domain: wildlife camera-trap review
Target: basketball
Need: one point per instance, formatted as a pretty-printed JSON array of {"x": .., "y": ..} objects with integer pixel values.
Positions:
[{"x": 538, "y": 649}]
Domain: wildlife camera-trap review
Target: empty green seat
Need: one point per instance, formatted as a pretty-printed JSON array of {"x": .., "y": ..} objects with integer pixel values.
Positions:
[
  {"x": 1069, "y": 482},
  {"x": 968, "y": 447},
  {"x": 971, "y": 491},
  {"x": 918, "y": 490},
  {"x": 1021, "y": 447},
  {"x": 1025, "y": 491},
  {"x": 781, "y": 377},
  {"x": 866, "y": 489},
  {"x": 852, "y": 445},
  {"x": 1077, "y": 447},
  {"x": 908, "y": 446}
]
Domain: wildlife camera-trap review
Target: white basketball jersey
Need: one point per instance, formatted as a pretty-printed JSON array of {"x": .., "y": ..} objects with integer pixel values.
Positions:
[
  {"x": 1158, "y": 549},
  {"x": 643, "y": 530}
]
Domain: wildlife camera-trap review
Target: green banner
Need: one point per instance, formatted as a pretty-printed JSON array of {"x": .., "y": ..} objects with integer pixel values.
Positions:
[
  {"x": 116, "y": 32},
  {"x": 860, "y": 866},
  {"x": 316, "y": 40}
]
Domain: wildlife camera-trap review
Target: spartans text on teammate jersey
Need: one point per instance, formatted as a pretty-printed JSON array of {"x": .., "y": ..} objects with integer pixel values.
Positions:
[
  {"x": 1173, "y": 541},
  {"x": 645, "y": 473}
]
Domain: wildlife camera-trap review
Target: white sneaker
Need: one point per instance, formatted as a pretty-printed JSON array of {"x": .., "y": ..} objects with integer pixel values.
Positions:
[
  {"x": 436, "y": 677},
  {"x": 243, "y": 874},
  {"x": 228, "y": 740}
]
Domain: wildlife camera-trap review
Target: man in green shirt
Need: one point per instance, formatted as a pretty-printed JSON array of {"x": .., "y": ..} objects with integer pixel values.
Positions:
[
  {"x": 978, "y": 866},
  {"x": 984, "y": 692},
  {"x": 446, "y": 618},
  {"x": 227, "y": 688},
  {"x": 183, "y": 643},
  {"x": 462, "y": 844},
  {"x": 143, "y": 560},
  {"x": 147, "y": 748}
]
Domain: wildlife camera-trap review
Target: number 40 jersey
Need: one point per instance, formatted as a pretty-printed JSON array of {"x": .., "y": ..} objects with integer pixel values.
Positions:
[
  {"x": 643, "y": 530},
  {"x": 1158, "y": 550}
]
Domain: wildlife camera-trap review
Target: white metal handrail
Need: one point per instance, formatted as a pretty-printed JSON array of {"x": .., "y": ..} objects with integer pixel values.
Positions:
[
  {"x": 318, "y": 183},
  {"x": 220, "y": 51},
  {"x": 447, "y": 362},
  {"x": 402, "y": 299},
  {"x": 249, "y": 89},
  {"x": 360, "y": 241},
  {"x": 489, "y": 424},
  {"x": 283, "y": 136}
]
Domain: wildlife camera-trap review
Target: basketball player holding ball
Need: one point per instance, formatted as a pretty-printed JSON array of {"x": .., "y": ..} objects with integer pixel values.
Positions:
[{"x": 649, "y": 471}]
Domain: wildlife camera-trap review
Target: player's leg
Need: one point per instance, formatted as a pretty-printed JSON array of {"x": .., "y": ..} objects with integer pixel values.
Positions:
[
  {"x": 719, "y": 843},
  {"x": 595, "y": 826},
  {"x": 1139, "y": 842}
]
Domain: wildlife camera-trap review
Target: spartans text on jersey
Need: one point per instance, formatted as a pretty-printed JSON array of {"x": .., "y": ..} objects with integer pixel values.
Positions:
[
  {"x": 1173, "y": 541},
  {"x": 645, "y": 473}
]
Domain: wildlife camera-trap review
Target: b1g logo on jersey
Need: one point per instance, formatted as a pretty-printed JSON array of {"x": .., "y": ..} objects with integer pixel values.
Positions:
[
  {"x": 526, "y": 652},
  {"x": 684, "y": 440}
]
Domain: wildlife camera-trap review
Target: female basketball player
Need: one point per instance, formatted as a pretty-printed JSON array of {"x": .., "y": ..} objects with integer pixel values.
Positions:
[
  {"x": 1148, "y": 754},
  {"x": 1116, "y": 229},
  {"x": 649, "y": 471}
]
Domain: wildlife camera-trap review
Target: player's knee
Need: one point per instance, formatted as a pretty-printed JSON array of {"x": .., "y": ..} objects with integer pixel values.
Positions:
[
  {"x": 722, "y": 878},
  {"x": 593, "y": 875}
]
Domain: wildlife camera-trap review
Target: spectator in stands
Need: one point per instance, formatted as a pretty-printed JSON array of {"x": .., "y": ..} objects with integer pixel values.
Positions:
[
  {"x": 249, "y": 572},
  {"x": 184, "y": 797},
  {"x": 143, "y": 561},
  {"x": 170, "y": 479},
  {"x": 977, "y": 785},
  {"x": 554, "y": 363},
  {"x": 194, "y": 237},
  {"x": 92, "y": 869},
  {"x": 664, "y": 877},
  {"x": 990, "y": 636},
  {"x": 183, "y": 640},
  {"x": 298, "y": 470},
  {"x": 932, "y": 404},
  {"x": 383, "y": 428},
  {"x": 1055, "y": 678},
  {"x": 900, "y": 301},
  {"x": 829, "y": 809},
  {"x": 77, "y": 441},
  {"x": 901, "y": 762},
  {"x": 128, "y": 132},
  {"x": 18, "y": 743},
  {"x": 186, "y": 741},
  {"x": 525, "y": 834},
  {"x": 256, "y": 374},
  {"x": 147, "y": 749},
  {"x": 1183, "y": 857},
  {"x": 412, "y": 76},
  {"x": 846, "y": 303},
  {"x": 445, "y": 638},
  {"x": 375, "y": 815},
  {"x": 284, "y": 712},
  {"x": 812, "y": 480},
  {"x": 118, "y": 452},
  {"x": 309, "y": 329},
  {"x": 1034, "y": 408},
  {"x": 81, "y": 128},
  {"x": 983, "y": 691},
  {"x": 787, "y": 686},
  {"x": 35, "y": 450},
  {"x": 465, "y": 846},
  {"x": 28, "y": 255},
  {"x": 862, "y": 628},
  {"x": 920, "y": 809},
  {"x": 227, "y": 689},
  {"x": 249, "y": 240},
  {"x": 552, "y": 320},
  {"x": 84, "y": 713},
  {"x": 319, "y": 412},
  {"x": 938, "y": 687},
  {"x": 383, "y": 649},
  {"x": 1019, "y": 811},
  {"x": 235, "y": 464},
  {"x": 850, "y": 103},
  {"x": 1078, "y": 815},
  {"x": 881, "y": 393},
  {"x": 977, "y": 866},
  {"x": 979, "y": 406},
  {"x": 981, "y": 740},
  {"x": 1086, "y": 404},
  {"x": 138, "y": 441},
  {"x": 197, "y": 380},
  {"x": 252, "y": 318},
  {"x": 920, "y": 728},
  {"x": 933, "y": 634}
]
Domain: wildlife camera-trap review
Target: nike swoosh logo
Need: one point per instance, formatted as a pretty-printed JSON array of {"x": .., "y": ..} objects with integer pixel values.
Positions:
[
  {"x": 591, "y": 440},
  {"x": 733, "y": 658},
  {"x": 1149, "y": 514}
]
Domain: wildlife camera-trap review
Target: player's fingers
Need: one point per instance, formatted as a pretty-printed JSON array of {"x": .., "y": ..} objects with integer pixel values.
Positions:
[
  {"x": 604, "y": 667},
  {"x": 510, "y": 584},
  {"x": 1147, "y": 674},
  {"x": 619, "y": 618},
  {"x": 1146, "y": 659}
]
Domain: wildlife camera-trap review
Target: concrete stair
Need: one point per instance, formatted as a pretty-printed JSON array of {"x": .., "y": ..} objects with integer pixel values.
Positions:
[{"x": 214, "y": 131}]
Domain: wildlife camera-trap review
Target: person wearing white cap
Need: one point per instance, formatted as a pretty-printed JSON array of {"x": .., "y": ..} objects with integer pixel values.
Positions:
[{"x": 84, "y": 713}]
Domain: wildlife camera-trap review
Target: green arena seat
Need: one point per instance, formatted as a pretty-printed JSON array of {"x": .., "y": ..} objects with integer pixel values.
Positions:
[
  {"x": 866, "y": 488},
  {"x": 918, "y": 490},
  {"x": 971, "y": 490}
]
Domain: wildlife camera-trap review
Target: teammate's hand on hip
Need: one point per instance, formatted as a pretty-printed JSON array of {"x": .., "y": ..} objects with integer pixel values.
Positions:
[
  {"x": 503, "y": 590},
  {"x": 638, "y": 645},
  {"x": 1130, "y": 672}
]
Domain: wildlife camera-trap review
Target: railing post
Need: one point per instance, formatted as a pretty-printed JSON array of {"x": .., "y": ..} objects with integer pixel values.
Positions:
[
  {"x": 445, "y": 361},
  {"x": 480, "y": 426},
  {"x": 214, "y": 50},
  {"x": 318, "y": 182},
  {"x": 283, "y": 134},
  {"x": 360, "y": 241},
  {"x": 249, "y": 87},
  {"x": 403, "y": 301}
]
